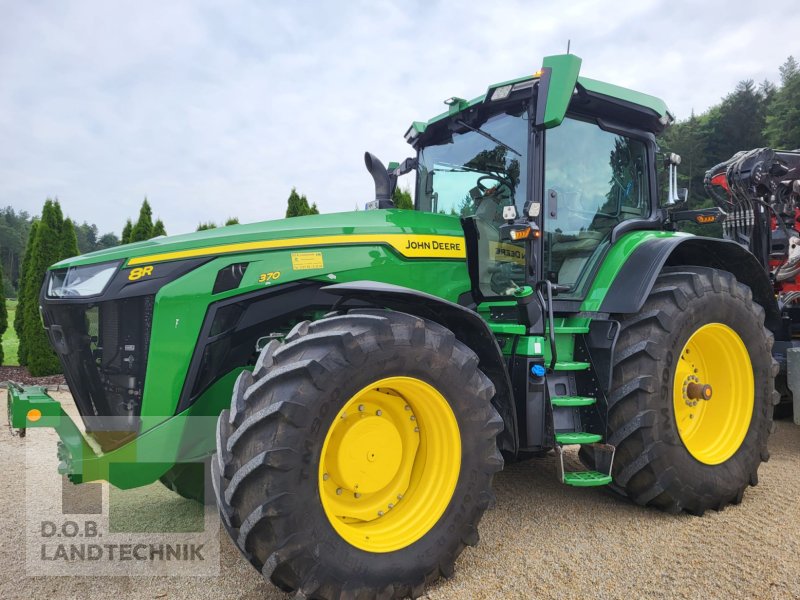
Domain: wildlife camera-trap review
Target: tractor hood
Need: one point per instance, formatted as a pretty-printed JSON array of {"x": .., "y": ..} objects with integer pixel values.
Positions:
[{"x": 308, "y": 230}]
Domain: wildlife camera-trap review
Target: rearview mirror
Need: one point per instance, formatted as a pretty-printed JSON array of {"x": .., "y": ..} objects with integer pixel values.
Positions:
[{"x": 674, "y": 195}]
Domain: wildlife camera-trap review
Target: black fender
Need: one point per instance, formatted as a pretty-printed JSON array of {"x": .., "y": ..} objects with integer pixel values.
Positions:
[
  {"x": 635, "y": 280},
  {"x": 468, "y": 327}
]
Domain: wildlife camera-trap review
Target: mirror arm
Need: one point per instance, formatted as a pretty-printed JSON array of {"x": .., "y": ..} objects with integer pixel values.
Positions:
[{"x": 403, "y": 168}]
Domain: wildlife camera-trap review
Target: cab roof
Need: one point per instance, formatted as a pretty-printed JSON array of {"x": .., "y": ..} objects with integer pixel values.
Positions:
[{"x": 578, "y": 94}]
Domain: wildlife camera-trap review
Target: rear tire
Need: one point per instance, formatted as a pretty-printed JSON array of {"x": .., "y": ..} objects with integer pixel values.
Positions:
[
  {"x": 272, "y": 444},
  {"x": 656, "y": 463}
]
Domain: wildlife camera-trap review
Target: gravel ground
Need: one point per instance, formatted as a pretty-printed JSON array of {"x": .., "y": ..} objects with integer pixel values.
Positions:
[
  {"x": 21, "y": 375},
  {"x": 541, "y": 540}
]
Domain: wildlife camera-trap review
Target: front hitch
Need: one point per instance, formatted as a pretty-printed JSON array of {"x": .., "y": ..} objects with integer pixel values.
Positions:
[
  {"x": 31, "y": 406},
  {"x": 18, "y": 431},
  {"x": 140, "y": 461}
]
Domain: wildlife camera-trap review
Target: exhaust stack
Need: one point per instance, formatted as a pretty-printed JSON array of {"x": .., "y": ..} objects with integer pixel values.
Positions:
[{"x": 383, "y": 186}]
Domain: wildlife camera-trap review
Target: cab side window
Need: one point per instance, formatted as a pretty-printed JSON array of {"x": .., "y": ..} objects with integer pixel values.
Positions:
[{"x": 594, "y": 180}]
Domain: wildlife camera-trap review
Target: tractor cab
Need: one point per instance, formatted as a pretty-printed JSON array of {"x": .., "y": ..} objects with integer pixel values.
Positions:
[{"x": 578, "y": 168}]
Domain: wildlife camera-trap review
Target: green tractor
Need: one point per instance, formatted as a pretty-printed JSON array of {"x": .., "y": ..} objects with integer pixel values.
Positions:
[{"x": 371, "y": 371}]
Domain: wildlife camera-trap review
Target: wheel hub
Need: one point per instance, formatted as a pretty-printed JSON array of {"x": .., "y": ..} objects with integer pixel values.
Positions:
[
  {"x": 389, "y": 464},
  {"x": 699, "y": 391},
  {"x": 694, "y": 390},
  {"x": 370, "y": 450}
]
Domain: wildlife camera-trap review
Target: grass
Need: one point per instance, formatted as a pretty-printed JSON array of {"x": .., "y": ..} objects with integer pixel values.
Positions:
[{"x": 10, "y": 341}]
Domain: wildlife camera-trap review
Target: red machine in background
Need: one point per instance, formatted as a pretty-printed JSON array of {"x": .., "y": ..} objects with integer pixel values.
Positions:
[
  {"x": 759, "y": 193},
  {"x": 759, "y": 190}
]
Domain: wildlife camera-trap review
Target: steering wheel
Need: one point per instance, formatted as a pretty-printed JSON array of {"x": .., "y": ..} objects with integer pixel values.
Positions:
[
  {"x": 488, "y": 190},
  {"x": 504, "y": 277}
]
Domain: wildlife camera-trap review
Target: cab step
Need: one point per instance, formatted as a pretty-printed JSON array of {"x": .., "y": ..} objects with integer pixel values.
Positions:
[
  {"x": 577, "y": 437},
  {"x": 571, "y": 365},
  {"x": 570, "y": 326},
  {"x": 572, "y": 401},
  {"x": 601, "y": 455},
  {"x": 571, "y": 329},
  {"x": 586, "y": 478}
]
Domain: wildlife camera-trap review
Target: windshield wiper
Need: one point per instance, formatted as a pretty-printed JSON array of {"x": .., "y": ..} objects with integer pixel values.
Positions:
[{"x": 488, "y": 136}]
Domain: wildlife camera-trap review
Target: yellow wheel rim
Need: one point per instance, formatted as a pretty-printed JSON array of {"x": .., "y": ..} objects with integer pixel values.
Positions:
[
  {"x": 713, "y": 393},
  {"x": 389, "y": 464}
]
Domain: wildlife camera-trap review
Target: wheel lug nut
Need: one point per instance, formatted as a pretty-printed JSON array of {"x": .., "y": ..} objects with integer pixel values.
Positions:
[
  {"x": 416, "y": 429},
  {"x": 380, "y": 513},
  {"x": 379, "y": 413},
  {"x": 357, "y": 495},
  {"x": 391, "y": 506},
  {"x": 413, "y": 418},
  {"x": 399, "y": 496},
  {"x": 338, "y": 491},
  {"x": 360, "y": 408},
  {"x": 325, "y": 477},
  {"x": 407, "y": 407}
]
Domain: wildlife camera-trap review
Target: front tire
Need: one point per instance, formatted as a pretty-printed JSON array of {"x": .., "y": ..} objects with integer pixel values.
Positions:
[
  {"x": 699, "y": 333},
  {"x": 357, "y": 458}
]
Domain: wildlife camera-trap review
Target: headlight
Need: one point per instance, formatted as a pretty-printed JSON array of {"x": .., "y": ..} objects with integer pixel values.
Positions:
[{"x": 78, "y": 282}]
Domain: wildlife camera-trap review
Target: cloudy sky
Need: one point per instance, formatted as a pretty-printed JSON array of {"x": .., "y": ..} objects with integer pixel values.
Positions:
[{"x": 216, "y": 109}]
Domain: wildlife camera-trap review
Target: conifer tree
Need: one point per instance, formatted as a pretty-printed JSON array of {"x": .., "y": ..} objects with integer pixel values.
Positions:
[
  {"x": 158, "y": 229},
  {"x": 143, "y": 230},
  {"x": 297, "y": 206},
  {"x": 3, "y": 315},
  {"x": 126, "y": 232},
  {"x": 402, "y": 198},
  {"x": 58, "y": 215},
  {"x": 783, "y": 114},
  {"x": 69, "y": 240},
  {"x": 22, "y": 294},
  {"x": 47, "y": 248},
  {"x": 294, "y": 207}
]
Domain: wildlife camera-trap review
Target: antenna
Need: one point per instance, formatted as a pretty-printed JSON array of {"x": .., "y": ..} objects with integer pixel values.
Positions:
[{"x": 568, "y": 41}]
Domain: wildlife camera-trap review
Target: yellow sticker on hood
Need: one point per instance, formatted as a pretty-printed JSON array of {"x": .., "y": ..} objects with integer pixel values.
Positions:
[{"x": 302, "y": 261}]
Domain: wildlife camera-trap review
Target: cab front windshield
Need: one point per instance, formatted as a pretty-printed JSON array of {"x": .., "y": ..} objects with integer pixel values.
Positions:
[{"x": 473, "y": 176}]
